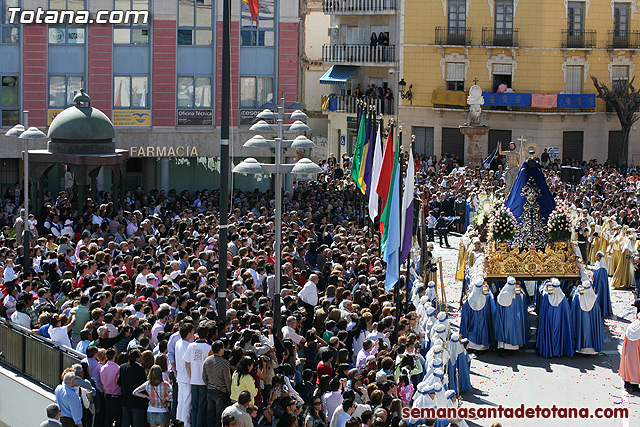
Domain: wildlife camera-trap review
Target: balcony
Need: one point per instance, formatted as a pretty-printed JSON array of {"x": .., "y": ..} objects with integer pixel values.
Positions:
[
  {"x": 621, "y": 40},
  {"x": 358, "y": 7},
  {"x": 358, "y": 54},
  {"x": 507, "y": 37},
  {"x": 457, "y": 36},
  {"x": 349, "y": 104},
  {"x": 578, "y": 39}
]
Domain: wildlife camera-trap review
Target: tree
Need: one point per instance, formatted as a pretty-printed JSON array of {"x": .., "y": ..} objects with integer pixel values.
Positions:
[{"x": 625, "y": 99}]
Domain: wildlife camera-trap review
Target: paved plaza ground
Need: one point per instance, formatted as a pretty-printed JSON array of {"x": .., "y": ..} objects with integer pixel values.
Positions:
[{"x": 526, "y": 378}]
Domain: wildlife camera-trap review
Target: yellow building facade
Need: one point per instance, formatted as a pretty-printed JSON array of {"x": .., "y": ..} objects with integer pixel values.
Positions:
[{"x": 548, "y": 47}]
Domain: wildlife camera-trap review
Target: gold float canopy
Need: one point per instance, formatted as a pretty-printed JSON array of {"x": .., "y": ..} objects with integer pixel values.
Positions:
[{"x": 557, "y": 260}]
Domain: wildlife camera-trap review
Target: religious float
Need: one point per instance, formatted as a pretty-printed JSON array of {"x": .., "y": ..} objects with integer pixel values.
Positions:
[{"x": 528, "y": 236}]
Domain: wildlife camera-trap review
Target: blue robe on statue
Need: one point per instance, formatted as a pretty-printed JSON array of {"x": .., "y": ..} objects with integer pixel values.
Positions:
[
  {"x": 477, "y": 324},
  {"x": 554, "y": 324},
  {"x": 586, "y": 324},
  {"x": 511, "y": 322},
  {"x": 601, "y": 288}
]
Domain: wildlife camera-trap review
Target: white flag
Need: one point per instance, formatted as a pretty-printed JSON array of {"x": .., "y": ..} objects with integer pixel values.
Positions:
[
  {"x": 375, "y": 174},
  {"x": 409, "y": 191}
]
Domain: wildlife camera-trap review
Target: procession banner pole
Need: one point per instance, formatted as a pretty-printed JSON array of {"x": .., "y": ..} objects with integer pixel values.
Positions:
[{"x": 442, "y": 289}]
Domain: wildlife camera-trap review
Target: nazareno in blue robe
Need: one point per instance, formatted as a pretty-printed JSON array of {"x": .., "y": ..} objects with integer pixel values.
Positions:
[
  {"x": 554, "y": 328},
  {"x": 586, "y": 326},
  {"x": 601, "y": 288},
  {"x": 511, "y": 324},
  {"x": 460, "y": 380},
  {"x": 477, "y": 326}
]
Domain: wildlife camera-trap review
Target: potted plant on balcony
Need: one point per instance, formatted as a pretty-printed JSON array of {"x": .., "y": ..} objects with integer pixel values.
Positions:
[{"x": 559, "y": 224}]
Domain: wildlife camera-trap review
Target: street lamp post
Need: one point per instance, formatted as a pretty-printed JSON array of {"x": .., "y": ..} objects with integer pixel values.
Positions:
[
  {"x": 29, "y": 133},
  {"x": 303, "y": 166}
]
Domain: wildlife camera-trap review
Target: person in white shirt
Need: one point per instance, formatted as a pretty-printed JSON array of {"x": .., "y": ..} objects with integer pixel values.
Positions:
[
  {"x": 308, "y": 295},
  {"x": 289, "y": 331},
  {"x": 19, "y": 317},
  {"x": 194, "y": 358},
  {"x": 9, "y": 273},
  {"x": 60, "y": 333},
  {"x": 183, "y": 411}
]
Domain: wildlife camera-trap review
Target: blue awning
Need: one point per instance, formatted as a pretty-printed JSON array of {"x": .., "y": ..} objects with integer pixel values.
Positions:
[{"x": 338, "y": 74}]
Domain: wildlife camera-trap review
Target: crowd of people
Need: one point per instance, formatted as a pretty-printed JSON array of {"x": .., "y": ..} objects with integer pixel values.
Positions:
[{"x": 134, "y": 290}]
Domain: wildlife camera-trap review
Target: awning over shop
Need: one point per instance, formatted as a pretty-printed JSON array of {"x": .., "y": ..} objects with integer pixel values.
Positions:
[{"x": 338, "y": 74}]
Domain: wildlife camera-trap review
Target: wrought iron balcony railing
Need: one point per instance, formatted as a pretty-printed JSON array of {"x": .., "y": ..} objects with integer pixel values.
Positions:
[
  {"x": 507, "y": 37},
  {"x": 459, "y": 36},
  {"x": 346, "y": 7},
  {"x": 624, "y": 40},
  {"x": 358, "y": 53},
  {"x": 349, "y": 104},
  {"x": 578, "y": 39}
]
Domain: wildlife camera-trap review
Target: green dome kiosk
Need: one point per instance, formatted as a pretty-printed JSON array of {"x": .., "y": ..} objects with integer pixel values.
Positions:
[{"x": 81, "y": 137}]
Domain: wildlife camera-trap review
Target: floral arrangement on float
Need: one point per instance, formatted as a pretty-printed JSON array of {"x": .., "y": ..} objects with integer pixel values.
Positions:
[
  {"x": 559, "y": 224},
  {"x": 502, "y": 225}
]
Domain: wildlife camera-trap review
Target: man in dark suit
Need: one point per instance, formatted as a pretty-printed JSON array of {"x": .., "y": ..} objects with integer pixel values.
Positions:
[
  {"x": 53, "y": 416},
  {"x": 443, "y": 229},
  {"x": 131, "y": 376}
]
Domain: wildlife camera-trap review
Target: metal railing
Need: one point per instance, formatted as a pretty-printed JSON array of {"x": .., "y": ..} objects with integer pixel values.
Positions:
[
  {"x": 577, "y": 39},
  {"x": 347, "y": 6},
  {"x": 500, "y": 37},
  {"x": 349, "y": 104},
  {"x": 624, "y": 40},
  {"x": 362, "y": 53},
  {"x": 34, "y": 356},
  {"x": 459, "y": 36}
]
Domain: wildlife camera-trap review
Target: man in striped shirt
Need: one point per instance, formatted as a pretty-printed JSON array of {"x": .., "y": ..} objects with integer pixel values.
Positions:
[{"x": 216, "y": 374}]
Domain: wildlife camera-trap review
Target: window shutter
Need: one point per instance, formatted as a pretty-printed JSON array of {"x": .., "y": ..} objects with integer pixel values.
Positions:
[
  {"x": 574, "y": 79},
  {"x": 455, "y": 72},
  {"x": 502, "y": 69},
  {"x": 619, "y": 72}
]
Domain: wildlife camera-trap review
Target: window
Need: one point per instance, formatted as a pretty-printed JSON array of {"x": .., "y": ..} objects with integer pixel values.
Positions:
[
  {"x": 504, "y": 18},
  {"x": 9, "y": 33},
  {"x": 457, "y": 32},
  {"x": 131, "y": 33},
  {"x": 66, "y": 34},
  {"x": 130, "y": 92},
  {"x": 255, "y": 91},
  {"x": 259, "y": 33},
  {"x": 619, "y": 74},
  {"x": 194, "y": 92},
  {"x": 455, "y": 75},
  {"x": 574, "y": 79},
  {"x": 501, "y": 74},
  {"x": 457, "y": 14},
  {"x": 62, "y": 89},
  {"x": 621, "y": 19},
  {"x": 195, "y": 22},
  {"x": 575, "y": 18},
  {"x": 10, "y": 100}
]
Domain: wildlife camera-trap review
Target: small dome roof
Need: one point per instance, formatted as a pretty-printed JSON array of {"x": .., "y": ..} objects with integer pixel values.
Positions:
[{"x": 81, "y": 123}]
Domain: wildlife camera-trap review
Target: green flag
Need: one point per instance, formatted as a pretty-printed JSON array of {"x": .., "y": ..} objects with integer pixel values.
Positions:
[
  {"x": 357, "y": 157},
  {"x": 386, "y": 213}
]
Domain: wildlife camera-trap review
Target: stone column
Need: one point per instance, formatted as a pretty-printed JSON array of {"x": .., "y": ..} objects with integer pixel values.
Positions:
[
  {"x": 81, "y": 179},
  {"x": 93, "y": 175}
]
